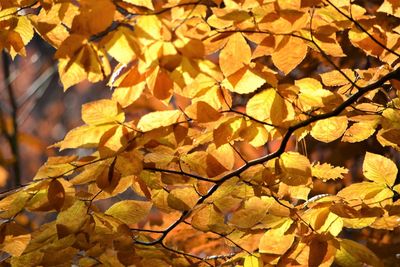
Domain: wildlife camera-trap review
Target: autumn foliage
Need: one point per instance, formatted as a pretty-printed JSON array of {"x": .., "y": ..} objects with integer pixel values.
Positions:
[{"x": 199, "y": 157}]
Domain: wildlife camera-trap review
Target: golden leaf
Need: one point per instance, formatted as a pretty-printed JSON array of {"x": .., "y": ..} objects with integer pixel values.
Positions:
[
  {"x": 86, "y": 136},
  {"x": 289, "y": 54},
  {"x": 274, "y": 241},
  {"x": 335, "y": 78},
  {"x": 158, "y": 119},
  {"x": 253, "y": 211},
  {"x": 202, "y": 112},
  {"x": 370, "y": 193},
  {"x": 360, "y": 131},
  {"x": 352, "y": 254},
  {"x": 312, "y": 95},
  {"x": 129, "y": 211},
  {"x": 121, "y": 45},
  {"x": 209, "y": 218},
  {"x": 330, "y": 129},
  {"x": 326, "y": 171},
  {"x": 66, "y": 226},
  {"x": 379, "y": 169},
  {"x": 15, "y": 245},
  {"x": 295, "y": 169},
  {"x": 94, "y": 17},
  {"x": 102, "y": 112},
  {"x": 263, "y": 107},
  {"x": 252, "y": 261},
  {"x": 230, "y": 59},
  {"x": 244, "y": 81},
  {"x": 182, "y": 198}
]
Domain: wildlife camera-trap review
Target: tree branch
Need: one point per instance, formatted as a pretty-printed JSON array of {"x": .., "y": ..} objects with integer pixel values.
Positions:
[{"x": 12, "y": 137}]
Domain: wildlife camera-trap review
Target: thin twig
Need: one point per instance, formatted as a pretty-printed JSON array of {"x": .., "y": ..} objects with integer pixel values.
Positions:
[{"x": 13, "y": 137}]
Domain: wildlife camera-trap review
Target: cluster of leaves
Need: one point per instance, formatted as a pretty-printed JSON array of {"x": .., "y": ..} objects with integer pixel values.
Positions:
[{"x": 225, "y": 74}]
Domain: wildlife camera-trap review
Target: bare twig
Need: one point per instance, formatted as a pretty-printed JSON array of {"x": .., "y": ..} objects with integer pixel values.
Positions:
[{"x": 13, "y": 136}]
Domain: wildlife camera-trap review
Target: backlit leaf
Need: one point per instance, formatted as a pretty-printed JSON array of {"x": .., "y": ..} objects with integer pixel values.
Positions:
[
  {"x": 295, "y": 168},
  {"x": 330, "y": 129},
  {"x": 275, "y": 242},
  {"x": 352, "y": 253},
  {"x": 102, "y": 112},
  {"x": 158, "y": 119},
  {"x": 290, "y": 52},
  {"x": 230, "y": 59},
  {"x": 253, "y": 211},
  {"x": 326, "y": 171},
  {"x": 130, "y": 211},
  {"x": 379, "y": 169}
]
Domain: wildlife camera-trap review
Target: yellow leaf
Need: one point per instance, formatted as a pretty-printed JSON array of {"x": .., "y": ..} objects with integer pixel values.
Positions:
[
  {"x": 299, "y": 192},
  {"x": 90, "y": 172},
  {"x": 295, "y": 168},
  {"x": 148, "y": 28},
  {"x": 102, "y": 112},
  {"x": 252, "y": 261},
  {"x": 263, "y": 107},
  {"x": 130, "y": 85},
  {"x": 358, "y": 223},
  {"x": 224, "y": 154},
  {"x": 362, "y": 40},
  {"x": 335, "y": 78},
  {"x": 86, "y": 136},
  {"x": 235, "y": 55},
  {"x": 158, "y": 119},
  {"x": 379, "y": 169},
  {"x": 326, "y": 171},
  {"x": 130, "y": 211},
  {"x": 274, "y": 241},
  {"x": 79, "y": 60},
  {"x": 209, "y": 218},
  {"x": 312, "y": 95},
  {"x": 353, "y": 254},
  {"x": 15, "y": 245},
  {"x": 385, "y": 222},
  {"x": 66, "y": 226},
  {"x": 202, "y": 112},
  {"x": 71, "y": 72},
  {"x": 367, "y": 192},
  {"x": 182, "y": 198},
  {"x": 329, "y": 129},
  {"x": 121, "y": 45},
  {"x": 290, "y": 52},
  {"x": 244, "y": 81},
  {"x": 56, "y": 166},
  {"x": 94, "y": 17},
  {"x": 144, "y": 3},
  {"x": 114, "y": 141},
  {"x": 389, "y": 137},
  {"x": 253, "y": 211},
  {"x": 323, "y": 220},
  {"x": 50, "y": 23},
  {"x": 13, "y": 204},
  {"x": 359, "y": 131}
]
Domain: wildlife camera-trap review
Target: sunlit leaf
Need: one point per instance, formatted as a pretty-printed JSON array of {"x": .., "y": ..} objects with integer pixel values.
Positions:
[
  {"x": 130, "y": 211},
  {"x": 330, "y": 129},
  {"x": 158, "y": 119},
  {"x": 352, "y": 253},
  {"x": 379, "y": 169},
  {"x": 326, "y": 171}
]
